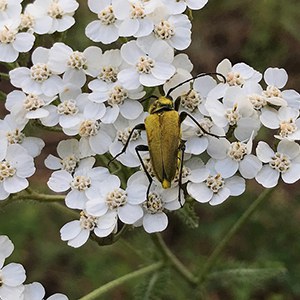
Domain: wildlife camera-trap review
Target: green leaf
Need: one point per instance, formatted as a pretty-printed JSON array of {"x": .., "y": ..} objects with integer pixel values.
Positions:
[
  {"x": 188, "y": 215},
  {"x": 153, "y": 287},
  {"x": 254, "y": 276}
]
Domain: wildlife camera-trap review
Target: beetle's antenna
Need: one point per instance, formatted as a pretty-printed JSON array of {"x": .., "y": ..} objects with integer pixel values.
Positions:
[{"x": 193, "y": 78}]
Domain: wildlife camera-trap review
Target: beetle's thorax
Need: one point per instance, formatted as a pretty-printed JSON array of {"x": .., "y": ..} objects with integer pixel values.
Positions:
[{"x": 161, "y": 104}]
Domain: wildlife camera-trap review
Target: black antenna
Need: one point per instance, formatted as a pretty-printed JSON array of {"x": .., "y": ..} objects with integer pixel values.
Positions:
[{"x": 193, "y": 78}]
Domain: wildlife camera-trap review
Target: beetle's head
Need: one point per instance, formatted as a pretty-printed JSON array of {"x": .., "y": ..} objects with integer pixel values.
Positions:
[{"x": 161, "y": 104}]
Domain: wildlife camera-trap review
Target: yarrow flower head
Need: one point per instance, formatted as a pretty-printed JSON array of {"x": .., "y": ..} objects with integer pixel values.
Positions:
[
  {"x": 134, "y": 16},
  {"x": 39, "y": 78},
  {"x": 151, "y": 67},
  {"x": 77, "y": 232},
  {"x": 11, "y": 133},
  {"x": 15, "y": 167},
  {"x": 155, "y": 204},
  {"x": 124, "y": 203},
  {"x": 285, "y": 162},
  {"x": 84, "y": 183},
  {"x": 214, "y": 187},
  {"x": 58, "y": 14},
  {"x": 12, "y": 42},
  {"x": 105, "y": 29}
]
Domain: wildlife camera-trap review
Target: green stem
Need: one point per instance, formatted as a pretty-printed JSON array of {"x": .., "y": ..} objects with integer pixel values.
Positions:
[
  {"x": 117, "y": 282},
  {"x": 176, "y": 263},
  {"x": 4, "y": 75},
  {"x": 2, "y": 95},
  {"x": 236, "y": 226},
  {"x": 32, "y": 195}
]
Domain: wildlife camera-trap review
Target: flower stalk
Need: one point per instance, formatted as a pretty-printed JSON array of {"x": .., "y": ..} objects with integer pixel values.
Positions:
[
  {"x": 119, "y": 281},
  {"x": 175, "y": 262}
]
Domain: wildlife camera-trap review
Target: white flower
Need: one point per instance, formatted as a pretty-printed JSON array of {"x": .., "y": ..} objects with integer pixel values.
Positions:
[
  {"x": 284, "y": 162},
  {"x": 119, "y": 100},
  {"x": 124, "y": 203},
  {"x": 11, "y": 277},
  {"x": 35, "y": 291},
  {"x": 108, "y": 66},
  {"x": 69, "y": 153},
  {"x": 69, "y": 104},
  {"x": 179, "y": 6},
  {"x": 237, "y": 75},
  {"x": 213, "y": 187},
  {"x": 104, "y": 30},
  {"x": 60, "y": 13},
  {"x": 285, "y": 119},
  {"x": 77, "y": 232},
  {"x": 236, "y": 110},
  {"x": 276, "y": 79},
  {"x": 11, "y": 133},
  {"x": 10, "y": 9},
  {"x": 27, "y": 106},
  {"x": 193, "y": 98},
  {"x": 13, "y": 42},
  {"x": 94, "y": 135},
  {"x": 196, "y": 139},
  {"x": 257, "y": 97},
  {"x": 85, "y": 183},
  {"x": 175, "y": 30},
  {"x": 39, "y": 79},
  {"x": 133, "y": 15},
  {"x": 34, "y": 20},
  {"x": 15, "y": 168},
  {"x": 151, "y": 67},
  {"x": 70, "y": 111},
  {"x": 124, "y": 126},
  {"x": 6, "y": 248},
  {"x": 233, "y": 157},
  {"x": 58, "y": 296},
  {"x": 158, "y": 202},
  {"x": 74, "y": 64}
]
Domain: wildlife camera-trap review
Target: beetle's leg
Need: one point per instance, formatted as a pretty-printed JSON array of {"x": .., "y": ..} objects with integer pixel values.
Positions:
[
  {"x": 136, "y": 127},
  {"x": 184, "y": 114},
  {"x": 177, "y": 103},
  {"x": 182, "y": 149},
  {"x": 144, "y": 148}
]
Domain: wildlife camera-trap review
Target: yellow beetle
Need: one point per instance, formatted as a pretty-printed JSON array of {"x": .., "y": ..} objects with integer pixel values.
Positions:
[
  {"x": 164, "y": 139},
  {"x": 163, "y": 129}
]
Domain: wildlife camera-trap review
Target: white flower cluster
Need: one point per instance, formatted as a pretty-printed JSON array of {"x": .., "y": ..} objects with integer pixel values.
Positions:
[
  {"x": 94, "y": 97},
  {"x": 17, "y": 28},
  {"x": 12, "y": 277}
]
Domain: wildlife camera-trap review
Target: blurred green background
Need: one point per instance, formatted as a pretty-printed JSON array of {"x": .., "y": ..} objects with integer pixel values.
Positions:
[{"x": 261, "y": 33}]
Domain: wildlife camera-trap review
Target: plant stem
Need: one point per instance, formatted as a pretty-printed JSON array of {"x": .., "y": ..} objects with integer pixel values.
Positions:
[
  {"x": 2, "y": 95},
  {"x": 236, "y": 226},
  {"x": 32, "y": 195},
  {"x": 176, "y": 263},
  {"x": 40, "y": 197},
  {"x": 115, "y": 283},
  {"x": 4, "y": 75}
]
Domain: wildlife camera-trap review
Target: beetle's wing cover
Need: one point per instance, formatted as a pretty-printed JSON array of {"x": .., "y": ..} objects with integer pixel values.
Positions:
[
  {"x": 163, "y": 134},
  {"x": 170, "y": 139},
  {"x": 153, "y": 130}
]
